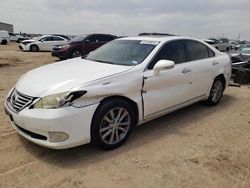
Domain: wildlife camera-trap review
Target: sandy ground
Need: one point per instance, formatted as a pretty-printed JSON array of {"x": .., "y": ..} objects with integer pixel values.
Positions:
[{"x": 198, "y": 146}]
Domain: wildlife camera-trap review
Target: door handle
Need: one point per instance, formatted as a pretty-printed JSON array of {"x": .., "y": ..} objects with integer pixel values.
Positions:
[
  {"x": 215, "y": 63},
  {"x": 186, "y": 70}
]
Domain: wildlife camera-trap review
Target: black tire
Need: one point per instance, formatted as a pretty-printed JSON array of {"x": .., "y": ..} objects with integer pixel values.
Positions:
[
  {"x": 34, "y": 48},
  {"x": 4, "y": 42},
  {"x": 216, "y": 92},
  {"x": 75, "y": 53},
  {"x": 105, "y": 129},
  {"x": 62, "y": 58},
  {"x": 19, "y": 40}
]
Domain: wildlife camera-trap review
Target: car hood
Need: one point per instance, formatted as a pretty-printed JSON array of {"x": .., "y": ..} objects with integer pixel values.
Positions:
[
  {"x": 75, "y": 42},
  {"x": 28, "y": 41},
  {"x": 65, "y": 75}
]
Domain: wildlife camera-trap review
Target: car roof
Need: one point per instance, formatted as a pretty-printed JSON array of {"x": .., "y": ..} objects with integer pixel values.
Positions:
[
  {"x": 159, "y": 38},
  {"x": 51, "y": 36}
]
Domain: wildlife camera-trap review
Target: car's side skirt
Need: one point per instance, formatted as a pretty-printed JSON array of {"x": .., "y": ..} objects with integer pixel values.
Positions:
[{"x": 173, "y": 108}]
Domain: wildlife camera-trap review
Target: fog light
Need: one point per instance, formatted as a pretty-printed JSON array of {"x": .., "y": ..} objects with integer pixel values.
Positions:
[{"x": 57, "y": 136}]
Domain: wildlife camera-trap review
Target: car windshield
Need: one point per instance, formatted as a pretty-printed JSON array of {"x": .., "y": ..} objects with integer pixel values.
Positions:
[
  {"x": 245, "y": 48},
  {"x": 123, "y": 52},
  {"x": 214, "y": 40},
  {"x": 209, "y": 41},
  {"x": 78, "y": 38}
]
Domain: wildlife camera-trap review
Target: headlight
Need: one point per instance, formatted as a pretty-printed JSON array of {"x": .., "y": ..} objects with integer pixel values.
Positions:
[
  {"x": 58, "y": 100},
  {"x": 62, "y": 46}
]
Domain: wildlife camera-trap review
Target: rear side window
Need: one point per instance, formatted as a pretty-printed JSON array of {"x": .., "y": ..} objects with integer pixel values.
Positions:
[
  {"x": 174, "y": 51},
  {"x": 197, "y": 50},
  {"x": 210, "y": 52}
]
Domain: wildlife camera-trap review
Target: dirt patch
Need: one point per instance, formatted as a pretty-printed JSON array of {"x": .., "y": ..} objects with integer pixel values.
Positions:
[
  {"x": 4, "y": 65},
  {"x": 198, "y": 146}
]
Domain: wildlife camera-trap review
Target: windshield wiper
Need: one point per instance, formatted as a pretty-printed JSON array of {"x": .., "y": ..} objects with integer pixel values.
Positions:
[{"x": 101, "y": 61}]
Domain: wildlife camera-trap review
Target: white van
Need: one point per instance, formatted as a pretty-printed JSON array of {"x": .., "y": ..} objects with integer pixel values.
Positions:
[{"x": 4, "y": 37}]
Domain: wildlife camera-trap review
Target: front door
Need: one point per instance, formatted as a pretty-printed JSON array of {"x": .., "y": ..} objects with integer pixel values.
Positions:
[{"x": 170, "y": 87}]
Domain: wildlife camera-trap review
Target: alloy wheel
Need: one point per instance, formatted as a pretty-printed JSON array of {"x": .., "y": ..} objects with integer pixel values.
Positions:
[
  {"x": 217, "y": 91},
  {"x": 115, "y": 125},
  {"x": 76, "y": 53}
]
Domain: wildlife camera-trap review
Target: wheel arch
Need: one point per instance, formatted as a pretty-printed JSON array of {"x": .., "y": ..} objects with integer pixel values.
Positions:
[
  {"x": 74, "y": 49},
  {"x": 4, "y": 41},
  {"x": 34, "y": 45},
  {"x": 128, "y": 100},
  {"x": 222, "y": 77}
]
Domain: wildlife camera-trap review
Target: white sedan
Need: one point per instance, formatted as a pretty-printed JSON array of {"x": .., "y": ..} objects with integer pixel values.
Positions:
[
  {"x": 102, "y": 97},
  {"x": 44, "y": 43}
]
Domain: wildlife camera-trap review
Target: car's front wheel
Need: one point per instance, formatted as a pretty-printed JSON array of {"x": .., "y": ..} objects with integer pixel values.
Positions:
[
  {"x": 216, "y": 92},
  {"x": 34, "y": 48},
  {"x": 112, "y": 124},
  {"x": 75, "y": 53}
]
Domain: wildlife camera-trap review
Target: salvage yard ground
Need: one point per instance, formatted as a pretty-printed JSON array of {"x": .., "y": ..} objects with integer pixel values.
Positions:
[{"x": 198, "y": 146}]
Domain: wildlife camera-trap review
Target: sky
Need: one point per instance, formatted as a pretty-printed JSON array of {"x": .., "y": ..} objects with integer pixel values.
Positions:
[{"x": 195, "y": 18}]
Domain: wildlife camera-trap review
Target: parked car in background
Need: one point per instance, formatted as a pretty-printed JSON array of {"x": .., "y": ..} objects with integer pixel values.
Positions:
[
  {"x": 81, "y": 45},
  {"x": 241, "y": 54},
  {"x": 211, "y": 42},
  {"x": 64, "y": 36},
  {"x": 221, "y": 44},
  {"x": 4, "y": 37},
  {"x": 232, "y": 45},
  {"x": 16, "y": 37},
  {"x": 43, "y": 43},
  {"x": 126, "y": 82}
]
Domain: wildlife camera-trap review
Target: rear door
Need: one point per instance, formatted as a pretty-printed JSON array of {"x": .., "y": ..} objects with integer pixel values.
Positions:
[{"x": 202, "y": 63}]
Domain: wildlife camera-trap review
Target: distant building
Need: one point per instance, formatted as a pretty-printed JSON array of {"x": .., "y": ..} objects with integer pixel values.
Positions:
[{"x": 6, "y": 27}]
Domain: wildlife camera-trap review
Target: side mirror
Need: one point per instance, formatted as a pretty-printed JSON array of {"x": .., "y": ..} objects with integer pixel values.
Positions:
[
  {"x": 162, "y": 65},
  {"x": 87, "y": 41}
]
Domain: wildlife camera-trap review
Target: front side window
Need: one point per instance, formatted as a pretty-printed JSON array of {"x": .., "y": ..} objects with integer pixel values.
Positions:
[
  {"x": 92, "y": 39},
  {"x": 174, "y": 51},
  {"x": 196, "y": 50},
  {"x": 104, "y": 38},
  {"x": 46, "y": 39},
  {"x": 123, "y": 52}
]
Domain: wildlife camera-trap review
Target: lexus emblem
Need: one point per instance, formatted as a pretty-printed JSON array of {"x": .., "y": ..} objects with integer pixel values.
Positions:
[{"x": 14, "y": 98}]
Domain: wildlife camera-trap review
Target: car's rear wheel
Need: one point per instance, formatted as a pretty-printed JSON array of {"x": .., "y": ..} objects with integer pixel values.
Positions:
[
  {"x": 34, "y": 48},
  {"x": 112, "y": 124},
  {"x": 216, "y": 92},
  {"x": 75, "y": 53}
]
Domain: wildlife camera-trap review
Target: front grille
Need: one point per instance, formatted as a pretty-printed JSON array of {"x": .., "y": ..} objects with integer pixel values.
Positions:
[{"x": 19, "y": 101}]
